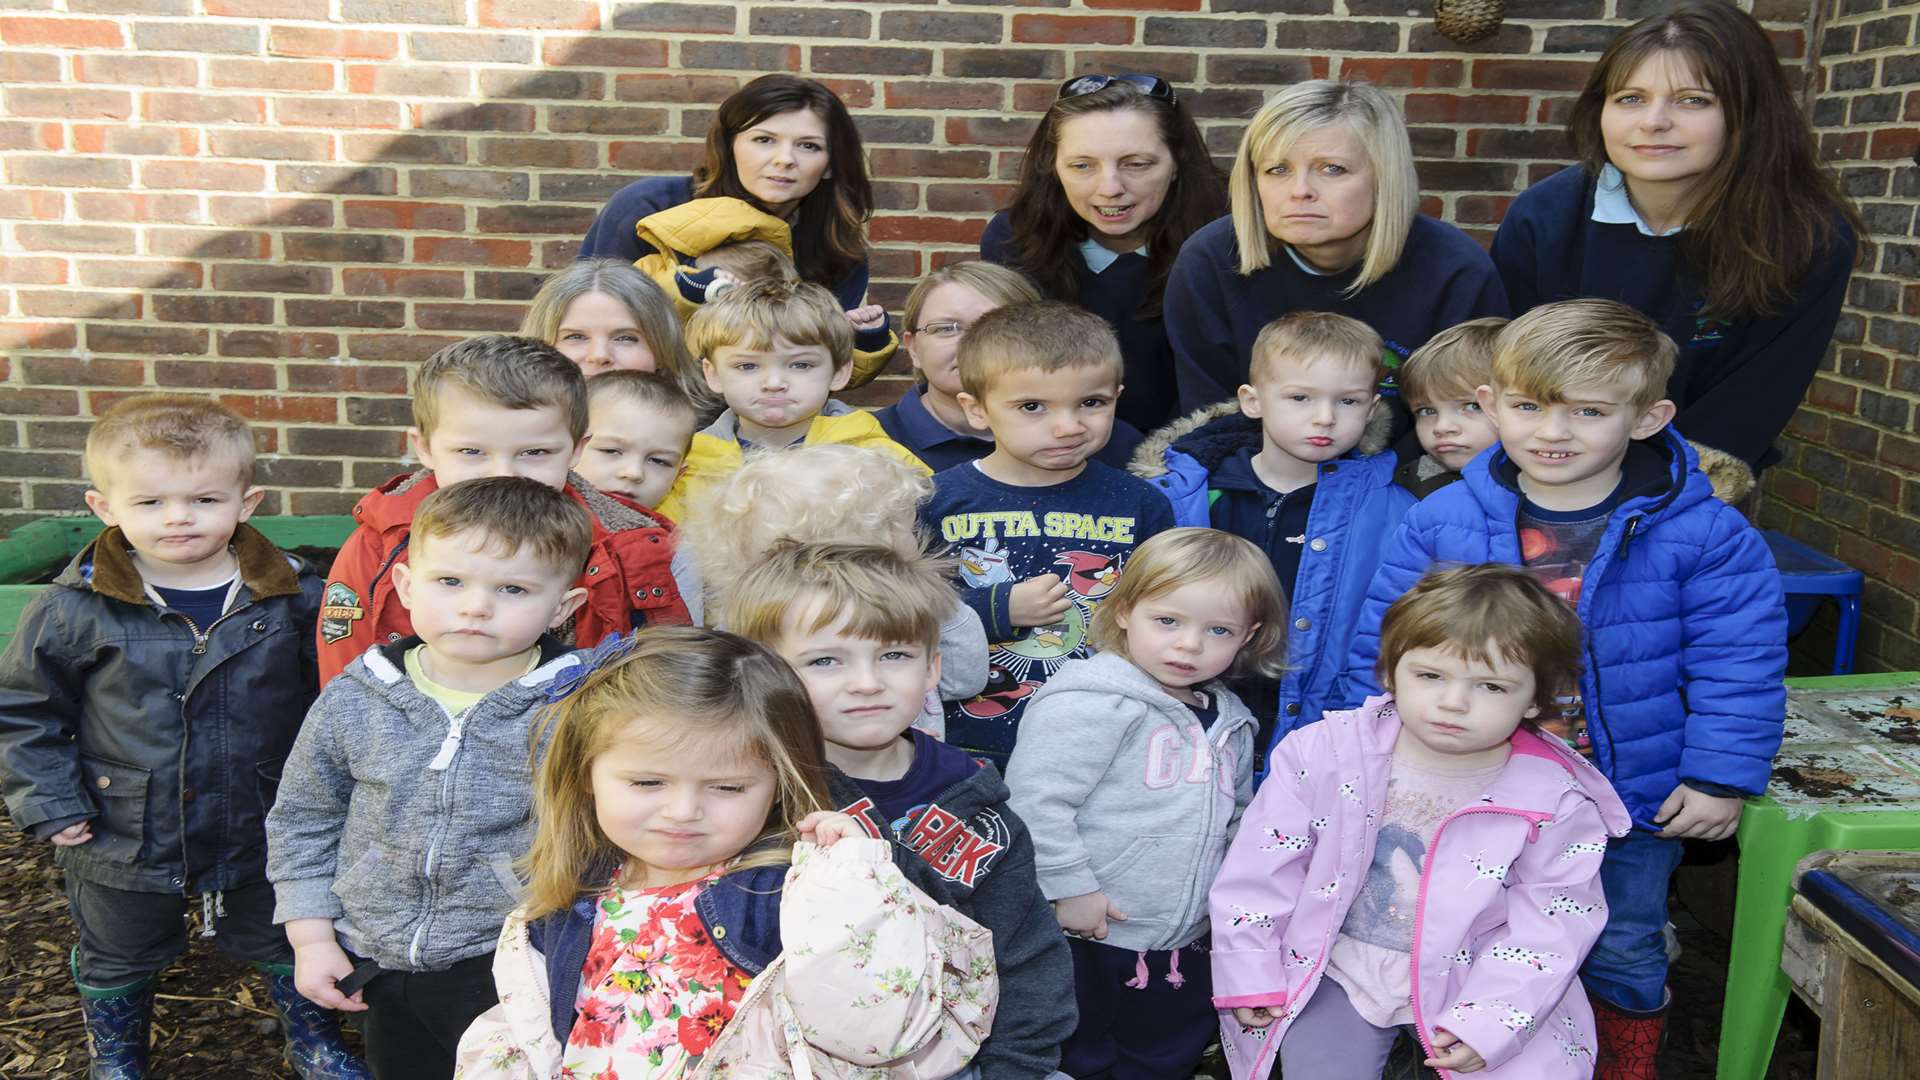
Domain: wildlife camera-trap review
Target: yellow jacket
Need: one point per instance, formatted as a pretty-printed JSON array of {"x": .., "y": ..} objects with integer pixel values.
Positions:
[
  {"x": 716, "y": 451},
  {"x": 679, "y": 234}
]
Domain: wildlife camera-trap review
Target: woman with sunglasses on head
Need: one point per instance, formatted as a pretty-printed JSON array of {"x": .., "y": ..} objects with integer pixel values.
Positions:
[
  {"x": 1700, "y": 200},
  {"x": 1325, "y": 218},
  {"x": 786, "y": 146},
  {"x": 1114, "y": 180}
]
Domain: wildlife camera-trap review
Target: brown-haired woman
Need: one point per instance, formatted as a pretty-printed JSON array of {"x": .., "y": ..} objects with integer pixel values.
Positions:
[
  {"x": 1699, "y": 200},
  {"x": 1114, "y": 180},
  {"x": 787, "y": 146}
]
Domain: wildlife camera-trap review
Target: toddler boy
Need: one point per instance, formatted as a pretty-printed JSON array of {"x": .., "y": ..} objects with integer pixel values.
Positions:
[
  {"x": 1298, "y": 472},
  {"x": 861, "y": 625},
  {"x": 1682, "y": 703},
  {"x": 496, "y": 406},
  {"x": 1440, "y": 383},
  {"x": 774, "y": 351},
  {"x": 1041, "y": 531},
  {"x": 639, "y": 425},
  {"x": 147, "y": 702},
  {"x": 409, "y": 791}
]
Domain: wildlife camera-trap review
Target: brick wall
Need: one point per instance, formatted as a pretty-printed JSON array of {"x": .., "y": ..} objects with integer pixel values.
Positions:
[{"x": 1851, "y": 481}]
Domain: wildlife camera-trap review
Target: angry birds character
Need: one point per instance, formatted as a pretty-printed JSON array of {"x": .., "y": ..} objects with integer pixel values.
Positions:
[
  {"x": 1057, "y": 642},
  {"x": 1089, "y": 576},
  {"x": 1002, "y": 695},
  {"x": 985, "y": 565}
]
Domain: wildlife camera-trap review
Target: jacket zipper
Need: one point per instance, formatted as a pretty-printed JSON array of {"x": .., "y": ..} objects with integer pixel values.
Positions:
[
  {"x": 445, "y": 800},
  {"x": 1533, "y": 819},
  {"x": 200, "y": 639}
]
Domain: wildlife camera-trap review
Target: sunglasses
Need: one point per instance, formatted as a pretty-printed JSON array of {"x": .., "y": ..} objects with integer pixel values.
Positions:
[{"x": 1151, "y": 85}]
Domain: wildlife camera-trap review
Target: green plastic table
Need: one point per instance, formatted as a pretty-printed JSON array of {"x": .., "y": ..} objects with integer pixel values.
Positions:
[{"x": 1772, "y": 840}]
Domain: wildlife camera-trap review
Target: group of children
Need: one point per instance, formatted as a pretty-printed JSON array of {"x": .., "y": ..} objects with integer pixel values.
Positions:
[{"x": 1286, "y": 738}]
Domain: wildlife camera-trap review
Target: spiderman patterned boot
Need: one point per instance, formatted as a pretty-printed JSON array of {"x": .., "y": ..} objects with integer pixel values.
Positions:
[
  {"x": 314, "y": 1049},
  {"x": 1629, "y": 1041},
  {"x": 119, "y": 1020}
]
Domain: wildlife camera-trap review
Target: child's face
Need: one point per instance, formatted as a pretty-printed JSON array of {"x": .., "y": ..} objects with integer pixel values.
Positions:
[
  {"x": 475, "y": 438},
  {"x": 1310, "y": 411},
  {"x": 1188, "y": 636},
  {"x": 178, "y": 513},
  {"x": 775, "y": 391},
  {"x": 865, "y": 692},
  {"x": 1573, "y": 448},
  {"x": 1453, "y": 431},
  {"x": 635, "y": 448},
  {"x": 1452, "y": 705},
  {"x": 1049, "y": 423},
  {"x": 937, "y": 355},
  {"x": 474, "y": 607},
  {"x": 599, "y": 333},
  {"x": 678, "y": 814}
]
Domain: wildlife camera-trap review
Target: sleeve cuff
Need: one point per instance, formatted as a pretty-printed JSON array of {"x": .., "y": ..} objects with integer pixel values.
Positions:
[
  {"x": 44, "y": 830},
  {"x": 305, "y": 898},
  {"x": 1070, "y": 881},
  {"x": 1251, "y": 1001}
]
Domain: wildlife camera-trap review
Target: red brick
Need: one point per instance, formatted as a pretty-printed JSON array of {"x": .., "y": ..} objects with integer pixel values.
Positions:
[
  {"x": 396, "y": 348},
  {"x": 71, "y": 304},
  {"x": 209, "y": 243},
  {"x": 275, "y": 344},
  {"x": 204, "y": 108},
  {"x": 944, "y": 95},
  {"x": 23, "y": 270},
  {"x": 953, "y": 164},
  {"x": 280, "y": 409},
  {"x": 409, "y": 80},
  {"x": 122, "y": 70},
  {"x": 146, "y": 140},
  {"x": 140, "y": 274},
  {"x": 990, "y": 130},
  {"x": 1403, "y": 71},
  {"x": 1464, "y": 108},
  {"x": 390, "y": 214},
  {"x": 1903, "y": 573},
  {"x": 221, "y": 375},
  {"x": 541, "y": 14},
  {"x": 545, "y": 153},
  {"x": 270, "y": 74},
  {"x": 61, "y": 33},
  {"x": 272, "y": 278},
  {"x": 609, "y": 120},
  {"x": 64, "y": 104},
  {"x": 272, "y": 145},
  {"x": 359, "y": 378},
  {"x": 1876, "y": 560},
  {"x": 413, "y": 149},
  {"x": 535, "y": 218},
  {"x": 336, "y": 112},
  {"x": 1530, "y": 74},
  {"x": 1481, "y": 209},
  {"x": 921, "y": 229},
  {"x": 147, "y": 340},
  {"x": 261, "y": 9},
  {"x": 379, "y": 315},
  {"x": 854, "y": 93},
  {"x": 203, "y": 175},
  {"x": 968, "y": 198},
  {"x": 21, "y": 67},
  {"x": 65, "y": 239},
  {"x": 279, "y": 213},
  {"x": 672, "y": 89},
  {"x": 168, "y": 307},
  {"x": 69, "y": 171},
  {"x": 127, "y": 206},
  {"x": 357, "y": 281},
  {"x": 330, "y": 43},
  {"x": 1896, "y": 143},
  {"x": 28, "y": 136},
  {"x": 31, "y": 205},
  {"x": 468, "y": 116},
  {"x": 74, "y": 371},
  {"x": 466, "y": 251},
  {"x": 19, "y": 335},
  {"x": 654, "y": 156},
  {"x": 604, "y": 52},
  {"x": 1175, "y": 67},
  {"x": 1146, "y": 5},
  {"x": 1793, "y": 487},
  {"x": 1843, "y": 146},
  {"x": 1828, "y": 394},
  {"x": 485, "y": 318}
]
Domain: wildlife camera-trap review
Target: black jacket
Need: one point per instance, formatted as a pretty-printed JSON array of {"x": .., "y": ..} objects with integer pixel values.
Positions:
[{"x": 169, "y": 737}]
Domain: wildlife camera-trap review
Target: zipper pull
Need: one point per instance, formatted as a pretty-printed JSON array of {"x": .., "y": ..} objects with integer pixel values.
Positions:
[
  {"x": 199, "y": 644},
  {"x": 1633, "y": 525},
  {"x": 449, "y": 745}
]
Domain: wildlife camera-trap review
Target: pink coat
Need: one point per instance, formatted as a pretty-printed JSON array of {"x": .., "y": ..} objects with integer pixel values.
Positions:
[{"x": 1510, "y": 899}]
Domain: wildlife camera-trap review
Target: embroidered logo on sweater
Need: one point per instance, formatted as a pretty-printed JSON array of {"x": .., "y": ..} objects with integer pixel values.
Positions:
[{"x": 339, "y": 610}]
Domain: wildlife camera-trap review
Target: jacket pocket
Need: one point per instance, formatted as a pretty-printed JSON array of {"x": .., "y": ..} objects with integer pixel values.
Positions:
[
  {"x": 121, "y": 793},
  {"x": 1144, "y": 881},
  {"x": 380, "y": 894},
  {"x": 503, "y": 873}
]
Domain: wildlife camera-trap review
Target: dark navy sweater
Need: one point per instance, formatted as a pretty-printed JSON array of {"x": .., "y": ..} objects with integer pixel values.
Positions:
[
  {"x": 1114, "y": 294},
  {"x": 910, "y": 423},
  {"x": 1737, "y": 382},
  {"x": 612, "y": 235},
  {"x": 1213, "y": 313}
]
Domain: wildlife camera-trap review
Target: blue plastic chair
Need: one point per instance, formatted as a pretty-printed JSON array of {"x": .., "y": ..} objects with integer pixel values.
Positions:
[{"x": 1807, "y": 576}]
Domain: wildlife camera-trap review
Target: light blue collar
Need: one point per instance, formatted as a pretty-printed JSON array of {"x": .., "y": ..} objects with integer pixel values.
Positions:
[
  {"x": 1098, "y": 256},
  {"x": 1303, "y": 264},
  {"x": 1611, "y": 206}
]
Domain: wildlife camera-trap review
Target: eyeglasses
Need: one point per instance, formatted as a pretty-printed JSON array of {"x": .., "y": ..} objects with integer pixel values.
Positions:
[
  {"x": 1151, "y": 85},
  {"x": 939, "y": 331}
]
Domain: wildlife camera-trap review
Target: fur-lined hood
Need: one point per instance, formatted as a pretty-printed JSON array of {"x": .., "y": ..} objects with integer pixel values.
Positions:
[{"x": 1220, "y": 430}]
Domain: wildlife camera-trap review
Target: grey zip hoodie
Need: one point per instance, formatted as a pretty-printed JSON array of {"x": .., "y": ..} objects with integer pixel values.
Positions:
[
  {"x": 413, "y": 863},
  {"x": 1125, "y": 793}
]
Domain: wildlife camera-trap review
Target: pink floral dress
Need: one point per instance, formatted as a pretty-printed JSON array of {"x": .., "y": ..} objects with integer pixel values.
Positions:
[{"x": 655, "y": 991}]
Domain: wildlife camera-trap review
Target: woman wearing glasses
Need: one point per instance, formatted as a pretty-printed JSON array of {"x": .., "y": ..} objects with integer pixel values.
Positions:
[
  {"x": 1114, "y": 181},
  {"x": 1324, "y": 218}
]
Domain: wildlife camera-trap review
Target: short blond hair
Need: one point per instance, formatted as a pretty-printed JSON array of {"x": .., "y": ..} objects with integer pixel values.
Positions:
[
  {"x": 178, "y": 426},
  {"x": 758, "y": 313},
  {"x": 1556, "y": 346},
  {"x": 1452, "y": 364},
  {"x": 1466, "y": 609},
  {"x": 1313, "y": 336},
  {"x": 511, "y": 512},
  {"x": 828, "y": 493},
  {"x": 1179, "y": 557},
  {"x": 652, "y": 310},
  {"x": 651, "y": 388},
  {"x": 1304, "y": 107},
  {"x": 505, "y": 370},
  {"x": 750, "y": 260},
  {"x": 884, "y": 595},
  {"x": 1042, "y": 335},
  {"x": 997, "y": 284}
]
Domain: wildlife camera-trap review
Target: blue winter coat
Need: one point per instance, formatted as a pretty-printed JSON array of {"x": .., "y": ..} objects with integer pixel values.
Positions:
[
  {"x": 1356, "y": 507},
  {"x": 1686, "y": 635}
]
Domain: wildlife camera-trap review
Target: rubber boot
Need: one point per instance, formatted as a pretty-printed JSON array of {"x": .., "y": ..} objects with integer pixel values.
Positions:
[
  {"x": 119, "y": 1026},
  {"x": 1629, "y": 1041},
  {"x": 314, "y": 1050}
]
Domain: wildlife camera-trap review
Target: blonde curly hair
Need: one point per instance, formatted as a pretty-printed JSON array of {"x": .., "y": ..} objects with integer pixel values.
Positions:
[{"x": 825, "y": 494}]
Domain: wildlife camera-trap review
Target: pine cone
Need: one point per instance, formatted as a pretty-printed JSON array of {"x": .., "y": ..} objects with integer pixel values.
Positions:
[{"x": 1467, "y": 21}]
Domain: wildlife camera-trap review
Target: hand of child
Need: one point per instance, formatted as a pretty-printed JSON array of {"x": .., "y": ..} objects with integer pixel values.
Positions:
[
  {"x": 1039, "y": 601},
  {"x": 73, "y": 835},
  {"x": 870, "y": 317},
  {"x": 1086, "y": 915},
  {"x": 317, "y": 966},
  {"x": 1695, "y": 815},
  {"x": 1451, "y": 1054},
  {"x": 825, "y": 828},
  {"x": 1253, "y": 1018}
]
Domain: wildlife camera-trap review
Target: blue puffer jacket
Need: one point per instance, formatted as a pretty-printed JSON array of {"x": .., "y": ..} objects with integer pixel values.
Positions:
[
  {"x": 1356, "y": 507},
  {"x": 1685, "y": 629}
]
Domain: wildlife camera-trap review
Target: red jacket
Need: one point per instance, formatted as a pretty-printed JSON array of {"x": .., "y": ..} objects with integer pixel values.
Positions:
[{"x": 628, "y": 577}]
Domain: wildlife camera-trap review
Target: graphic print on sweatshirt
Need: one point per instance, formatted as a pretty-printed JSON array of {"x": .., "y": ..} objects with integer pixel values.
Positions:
[{"x": 1556, "y": 548}]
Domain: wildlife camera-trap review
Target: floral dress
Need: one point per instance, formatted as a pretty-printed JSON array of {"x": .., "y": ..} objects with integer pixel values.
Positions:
[{"x": 655, "y": 991}]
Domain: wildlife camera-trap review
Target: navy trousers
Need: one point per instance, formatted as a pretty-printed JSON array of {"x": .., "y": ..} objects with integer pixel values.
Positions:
[{"x": 1135, "y": 1028}]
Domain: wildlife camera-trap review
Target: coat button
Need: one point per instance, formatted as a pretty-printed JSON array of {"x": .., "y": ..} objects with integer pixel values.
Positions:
[
  {"x": 177, "y": 696},
  {"x": 259, "y": 625},
  {"x": 186, "y": 794},
  {"x": 177, "y": 883},
  {"x": 659, "y": 591},
  {"x": 1302, "y": 623},
  {"x": 103, "y": 783},
  {"x": 592, "y": 570},
  {"x": 719, "y": 933},
  {"x": 1293, "y": 708},
  {"x": 1319, "y": 543}
]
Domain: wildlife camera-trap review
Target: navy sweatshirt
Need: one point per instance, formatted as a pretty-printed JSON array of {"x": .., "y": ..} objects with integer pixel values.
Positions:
[
  {"x": 612, "y": 235},
  {"x": 1082, "y": 529},
  {"x": 1114, "y": 294},
  {"x": 1213, "y": 313},
  {"x": 911, "y": 424},
  {"x": 1737, "y": 382}
]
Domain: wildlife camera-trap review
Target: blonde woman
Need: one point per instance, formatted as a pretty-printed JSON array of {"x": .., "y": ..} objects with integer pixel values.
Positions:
[{"x": 1324, "y": 218}]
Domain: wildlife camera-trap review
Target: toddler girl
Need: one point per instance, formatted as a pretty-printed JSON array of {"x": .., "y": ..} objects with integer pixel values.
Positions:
[
  {"x": 1325, "y": 943},
  {"x": 607, "y": 316},
  {"x": 692, "y": 910},
  {"x": 1131, "y": 771}
]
